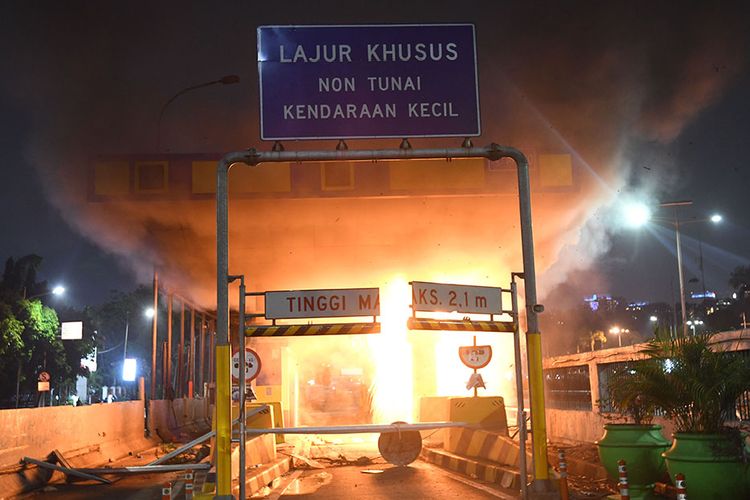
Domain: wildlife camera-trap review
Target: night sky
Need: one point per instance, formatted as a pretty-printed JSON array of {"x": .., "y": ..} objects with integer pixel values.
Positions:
[{"x": 668, "y": 93}]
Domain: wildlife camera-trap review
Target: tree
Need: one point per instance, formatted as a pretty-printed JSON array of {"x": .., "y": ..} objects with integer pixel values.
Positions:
[
  {"x": 110, "y": 319},
  {"x": 67, "y": 366},
  {"x": 34, "y": 342},
  {"x": 28, "y": 328},
  {"x": 11, "y": 330},
  {"x": 739, "y": 279},
  {"x": 19, "y": 276},
  {"x": 598, "y": 335}
]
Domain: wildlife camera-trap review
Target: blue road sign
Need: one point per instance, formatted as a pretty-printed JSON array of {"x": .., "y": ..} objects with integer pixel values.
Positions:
[{"x": 338, "y": 82}]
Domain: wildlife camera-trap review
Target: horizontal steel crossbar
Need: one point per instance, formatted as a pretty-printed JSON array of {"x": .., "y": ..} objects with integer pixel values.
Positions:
[
  {"x": 459, "y": 326},
  {"x": 302, "y": 330},
  {"x": 146, "y": 469},
  {"x": 359, "y": 429}
]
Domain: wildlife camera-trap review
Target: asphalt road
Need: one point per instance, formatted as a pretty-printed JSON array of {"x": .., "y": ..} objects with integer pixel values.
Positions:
[
  {"x": 374, "y": 482},
  {"x": 380, "y": 482},
  {"x": 330, "y": 473},
  {"x": 136, "y": 487}
]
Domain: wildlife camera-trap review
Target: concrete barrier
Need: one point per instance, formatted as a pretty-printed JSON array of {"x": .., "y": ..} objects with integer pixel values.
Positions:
[
  {"x": 86, "y": 435},
  {"x": 434, "y": 409},
  {"x": 179, "y": 419}
]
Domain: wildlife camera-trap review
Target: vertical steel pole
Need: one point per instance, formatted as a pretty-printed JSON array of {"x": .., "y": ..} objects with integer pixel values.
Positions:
[
  {"x": 223, "y": 350},
  {"x": 168, "y": 391},
  {"x": 152, "y": 393},
  {"x": 243, "y": 384},
  {"x": 533, "y": 335},
  {"x": 202, "y": 356},
  {"x": 211, "y": 336},
  {"x": 181, "y": 353},
  {"x": 212, "y": 325},
  {"x": 679, "y": 271},
  {"x": 125, "y": 345},
  {"x": 191, "y": 354},
  {"x": 521, "y": 416},
  {"x": 164, "y": 369}
]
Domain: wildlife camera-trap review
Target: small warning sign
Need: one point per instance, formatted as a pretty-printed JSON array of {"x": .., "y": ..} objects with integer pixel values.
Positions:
[
  {"x": 252, "y": 365},
  {"x": 475, "y": 356}
]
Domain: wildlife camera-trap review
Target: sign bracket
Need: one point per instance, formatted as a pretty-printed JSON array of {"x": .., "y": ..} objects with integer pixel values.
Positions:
[{"x": 253, "y": 157}]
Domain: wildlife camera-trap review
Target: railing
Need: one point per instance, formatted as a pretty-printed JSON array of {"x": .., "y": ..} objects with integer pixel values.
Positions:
[{"x": 568, "y": 388}]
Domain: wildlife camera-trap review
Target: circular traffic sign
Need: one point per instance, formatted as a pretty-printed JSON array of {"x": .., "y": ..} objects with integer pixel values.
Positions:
[
  {"x": 400, "y": 448},
  {"x": 475, "y": 356},
  {"x": 43, "y": 377},
  {"x": 252, "y": 365}
]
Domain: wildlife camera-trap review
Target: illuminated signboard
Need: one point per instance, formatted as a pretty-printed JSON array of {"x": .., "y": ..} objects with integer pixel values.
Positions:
[
  {"x": 345, "y": 302},
  {"x": 338, "y": 82}
]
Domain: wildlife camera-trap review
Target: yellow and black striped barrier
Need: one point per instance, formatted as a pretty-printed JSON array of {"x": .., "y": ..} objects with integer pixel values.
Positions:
[
  {"x": 459, "y": 326},
  {"x": 303, "y": 330}
]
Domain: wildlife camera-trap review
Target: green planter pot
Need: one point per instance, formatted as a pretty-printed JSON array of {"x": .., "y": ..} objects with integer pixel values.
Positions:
[
  {"x": 712, "y": 466},
  {"x": 641, "y": 446}
]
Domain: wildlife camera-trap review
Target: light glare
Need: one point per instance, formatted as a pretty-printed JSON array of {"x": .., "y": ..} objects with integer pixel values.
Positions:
[
  {"x": 149, "y": 312},
  {"x": 716, "y": 218},
  {"x": 129, "y": 368},
  {"x": 58, "y": 290},
  {"x": 637, "y": 214}
]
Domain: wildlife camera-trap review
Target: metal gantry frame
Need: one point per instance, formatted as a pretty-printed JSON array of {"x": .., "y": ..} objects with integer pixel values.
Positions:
[
  {"x": 521, "y": 411},
  {"x": 252, "y": 157},
  {"x": 185, "y": 381}
]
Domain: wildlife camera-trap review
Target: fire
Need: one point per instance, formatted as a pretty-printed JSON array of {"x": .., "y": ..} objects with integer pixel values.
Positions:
[
  {"x": 409, "y": 365},
  {"x": 392, "y": 355},
  {"x": 381, "y": 378}
]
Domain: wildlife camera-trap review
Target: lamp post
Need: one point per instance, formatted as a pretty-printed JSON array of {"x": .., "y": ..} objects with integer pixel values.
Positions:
[
  {"x": 225, "y": 80},
  {"x": 676, "y": 224},
  {"x": 639, "y": 215},
  {"x": 616, "y": 330}
]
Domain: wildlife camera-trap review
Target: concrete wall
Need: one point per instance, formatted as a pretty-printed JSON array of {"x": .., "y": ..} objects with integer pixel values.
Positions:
[
  {"x": 88, "y": 435},
  {"x": 113, "y": 429},
  {"x": 99, "y": 431},
  {"x": 585, "y": 426}
]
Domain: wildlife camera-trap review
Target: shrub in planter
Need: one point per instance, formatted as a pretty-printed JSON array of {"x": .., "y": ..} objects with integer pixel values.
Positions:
[
  {"x": 633, "y": 438},
  {"x": 697, "y": 383}
]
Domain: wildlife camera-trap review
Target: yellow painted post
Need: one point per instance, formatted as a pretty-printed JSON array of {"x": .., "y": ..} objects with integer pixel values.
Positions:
[
  {"x": 538, "y": 421},
  {"x": 223, "y": 421}
]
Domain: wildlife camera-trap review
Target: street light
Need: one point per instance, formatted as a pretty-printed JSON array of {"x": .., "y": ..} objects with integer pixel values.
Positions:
[
  {"x": 693, "y": 323},
  {"x": 225, "y": 80},
  {"x": 129, "y": 364},
  {"x": 616, "y": 330},
  {"x": 638, "y": 215}
]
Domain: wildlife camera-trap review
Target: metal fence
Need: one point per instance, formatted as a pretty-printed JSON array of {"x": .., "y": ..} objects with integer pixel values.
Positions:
[
  {"x": 742, "y": 408},
  {"x": 609, "y": 370},
  {"x": 606, "y": 372},
  {"x": 568, "y": 388}
]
